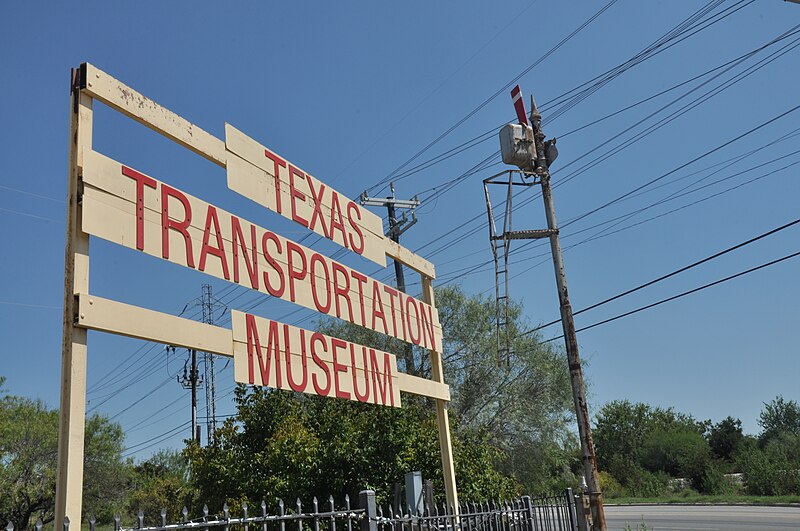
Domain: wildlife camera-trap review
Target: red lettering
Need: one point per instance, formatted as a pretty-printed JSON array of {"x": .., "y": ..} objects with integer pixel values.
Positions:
[
  {"x": 272, "y": 346},
  {"x": 181, "y": 226},
  {"x": 354, "y": 212},
  {"x": 362, "y": 397},
  {"x": 278, "y": 164},
  {"x": 316, "y": 258},
  {"x": 317, "y": 200},
  {"x": 338, "y": 367},
  {"x": 377, "y": 384},
  {"x": 238, "y": 243},
  {"x": 392, "y": 294},
  {"x": 316, "y": 337},
  {"x": 219, "y": 250},
  {"x": 295, "y": 194},
  {"x": 341, "y": 291},
  {"x": 361, "y": 279},
  {"x": 411, "y": 303},
  {"x": 287, "y": 353},
  {"x": 142, "y": 180},
  {"x": 337, "y": 221},
  {"x": 272, "y": 237},
  {"x": 295, "y": 274},
  {"x": 377, "y": 308},
  {"x": 428, "y": 338}
]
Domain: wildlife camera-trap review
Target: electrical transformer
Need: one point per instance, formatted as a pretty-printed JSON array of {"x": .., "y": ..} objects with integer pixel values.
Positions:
[{"x": 517, "y": 145}]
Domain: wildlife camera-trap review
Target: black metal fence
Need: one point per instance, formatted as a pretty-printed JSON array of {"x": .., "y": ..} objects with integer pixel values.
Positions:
[{"x": 555, "y": 512}]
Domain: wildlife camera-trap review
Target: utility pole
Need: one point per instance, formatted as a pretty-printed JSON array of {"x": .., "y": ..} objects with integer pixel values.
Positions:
[
  {"x": 545, "y": 153},
  {"x": 191, "y": 381},
  {"x": 207, "y": 303},
  {"x": 396, "y": 226}
]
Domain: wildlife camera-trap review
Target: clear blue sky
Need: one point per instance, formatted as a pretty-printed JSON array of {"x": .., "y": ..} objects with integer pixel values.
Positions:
[{"x": 350, "y": 91}]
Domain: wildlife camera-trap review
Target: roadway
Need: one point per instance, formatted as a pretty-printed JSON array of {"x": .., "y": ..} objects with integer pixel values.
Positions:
[{"x": 702, "y": 517}]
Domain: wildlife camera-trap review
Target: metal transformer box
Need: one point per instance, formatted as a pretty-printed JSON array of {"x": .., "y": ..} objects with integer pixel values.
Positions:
[{"x": 517, "y": 145}]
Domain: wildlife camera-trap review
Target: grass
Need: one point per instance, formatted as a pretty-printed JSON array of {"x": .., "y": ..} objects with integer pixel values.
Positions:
[{"x": 700, "y": 499}]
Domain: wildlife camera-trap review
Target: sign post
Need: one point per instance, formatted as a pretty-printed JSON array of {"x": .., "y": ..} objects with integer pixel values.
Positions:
[{"x": 115, "y": 202}]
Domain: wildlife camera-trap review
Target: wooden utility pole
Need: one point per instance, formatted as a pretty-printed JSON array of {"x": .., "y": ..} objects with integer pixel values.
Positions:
[
  {"x": 568, "y": 325},
  {"x": 396, "y": 227}
]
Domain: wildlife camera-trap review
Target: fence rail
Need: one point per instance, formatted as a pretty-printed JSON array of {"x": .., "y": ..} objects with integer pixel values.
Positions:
[{"x": 554, "y": 512}]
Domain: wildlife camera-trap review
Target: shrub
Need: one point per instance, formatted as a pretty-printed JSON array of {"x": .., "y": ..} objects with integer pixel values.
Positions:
[
  {"x": 715, "y": 482},
  {"x": 609, "y": 486}
]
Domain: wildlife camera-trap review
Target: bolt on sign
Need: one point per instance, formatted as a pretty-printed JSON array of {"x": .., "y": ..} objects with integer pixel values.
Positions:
[{"x": 114, "y": 201}]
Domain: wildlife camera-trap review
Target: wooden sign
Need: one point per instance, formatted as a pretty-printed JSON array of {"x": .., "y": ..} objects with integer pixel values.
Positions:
[
  {"x": 125, "y": 206},
  {"x": 120, "y": 204},
  {"x": 282, "y": 356},
  {"x": 270, "y": 180}
]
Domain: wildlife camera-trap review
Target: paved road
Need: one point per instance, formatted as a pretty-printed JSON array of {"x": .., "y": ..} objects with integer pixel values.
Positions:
[{"x": 703, "y": 518}]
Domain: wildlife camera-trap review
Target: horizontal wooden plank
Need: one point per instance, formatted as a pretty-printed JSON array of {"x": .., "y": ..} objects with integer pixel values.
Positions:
[
  {"x": 295, "y": 194},
  {"x": 131, "y": 103},
  {"x": 415, "y": 262},
  {"x": 105, "y": 315},
  {"x": 278, "y": 355},
  {"x": 420, "y": 386},
  {"x": 261, "y": 260}
]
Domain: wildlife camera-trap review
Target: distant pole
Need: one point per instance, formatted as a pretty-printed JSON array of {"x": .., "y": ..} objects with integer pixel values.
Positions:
[
  {"x": 568, "y": 325},
  {"x": 207, "y": 304},
  {"x": 396, "y": 226},
  {"x": 399, "y": 275},
  {"x": 193, "y": 377},
  {"x": 191, "y": 382}
]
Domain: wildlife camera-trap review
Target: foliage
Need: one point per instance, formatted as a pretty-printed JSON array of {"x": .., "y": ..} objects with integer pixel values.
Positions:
[
  {"x": 609, "y": 486},
  {"x": 773, "y": 470},
  {"x": 160, "y": 482},
  {"x": 524, "y": 409},
  {"x": 28, "y": 457},
  {"x": 626, "y": 438},
  {"x": 778, "y": 416},
  {"x": 714, "y": 482},
  {"x": 285, "y": 445},
  {"x": 678, "y": 452},
  {"x": 510, "y": 424},
  {"x": 724, "y": 438}
]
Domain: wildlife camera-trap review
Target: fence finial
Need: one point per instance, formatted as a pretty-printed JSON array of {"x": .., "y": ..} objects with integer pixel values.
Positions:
[
  {"x": 66, "y": 523},
  {"x": 10, "y": 526}
]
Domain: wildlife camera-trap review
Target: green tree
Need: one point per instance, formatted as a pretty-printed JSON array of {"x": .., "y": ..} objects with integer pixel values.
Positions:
[
  {"x": 285, "y": 445},
  {"x": 160, "y": 482},
  {"x": 775, "y": 468},
  {"x": 624, "y": 435},
  {"x": 509, "y": 424},
  {"x": 677, "y": 452},
  {"x": 778, "y": 416},
  {"x": 725, "y": 437},
  {"x": 28, "y": 456},
  {"x": 524, "y": 407}
]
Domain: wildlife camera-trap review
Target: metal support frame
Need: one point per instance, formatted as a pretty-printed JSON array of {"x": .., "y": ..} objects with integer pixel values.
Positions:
[{"x": 500, "y": 242}]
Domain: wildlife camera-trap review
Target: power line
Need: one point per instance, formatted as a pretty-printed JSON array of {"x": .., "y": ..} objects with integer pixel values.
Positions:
[
  {"x": 685, "y": 293},
  {"x": 673, "y": 273},
  {"x": 504, "y": 88}
]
